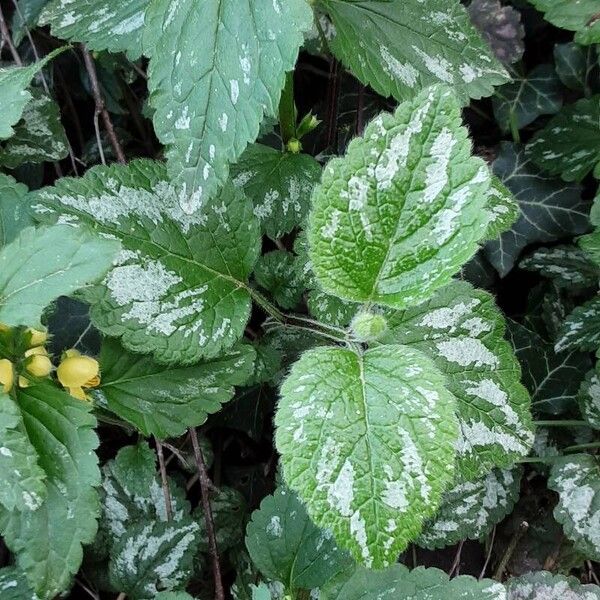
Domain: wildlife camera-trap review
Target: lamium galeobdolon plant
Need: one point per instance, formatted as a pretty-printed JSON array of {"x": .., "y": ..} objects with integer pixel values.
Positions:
[{"x": 215, "y": 267}]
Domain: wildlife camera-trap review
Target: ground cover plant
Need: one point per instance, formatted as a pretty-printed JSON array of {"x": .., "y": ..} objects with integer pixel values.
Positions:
[{"x": 299, "y": 299}]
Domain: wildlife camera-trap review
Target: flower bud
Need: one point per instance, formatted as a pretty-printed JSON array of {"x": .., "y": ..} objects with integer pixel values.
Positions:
[
  {"x": 7, "y": 375},
  {"x": 39, "y": 366},
  {"x": 77, "y": 371},
  {"x": 36, "y": 351},
  {"x": 36, "y": 337},
  {"x": 368, "y": 326}
]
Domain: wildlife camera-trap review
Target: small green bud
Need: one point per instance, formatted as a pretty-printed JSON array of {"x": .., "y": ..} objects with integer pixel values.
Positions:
[
  {"x": 368, "y": 326},
  {"x": 294, "y": 146}
]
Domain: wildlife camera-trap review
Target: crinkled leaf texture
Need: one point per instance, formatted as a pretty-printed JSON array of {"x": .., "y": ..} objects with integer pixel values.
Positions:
[
  {"x": 15, "y": 213},
  {"x": 580, "y": 16},
  {"x": 541, "y": 585},
  {"x": 47, "y": 541},
  {"x": 42, "y": 264},
  {"x": 164, "y": 401},
  {"x": 178, "y": 289},
  {"x": 217, "y": 67},
  {"x": 400, "y": 46},
  {"x": 589, "y": 399},
  {"x": 419, "y": 584},
  {"x": 367, "y": 441},
  {"x": 462, "y": 331},
  {"x": 576, "y": 479},
  {"x": 470, "y": 509},
  {"x": 99, "y": 24},
  {"x": 581, "y": 328},
  {"x": 395, "y": 219}
]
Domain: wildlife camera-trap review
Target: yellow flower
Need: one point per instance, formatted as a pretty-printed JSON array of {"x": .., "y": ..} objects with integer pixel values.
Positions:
[
  {"x": 39, "y": 365},
  {"x": 37, "y": 338},
  {"x": 37, "y": 351},
  {"x": 7, "y": 375},
  {"x": 77, "y": 372}
]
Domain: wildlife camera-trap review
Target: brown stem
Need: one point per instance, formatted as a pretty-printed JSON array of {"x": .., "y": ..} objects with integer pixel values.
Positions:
[
  {"x": 100, "y": 106},
  {"x": 333, "y": 94},
  {"x": 360, "y": 109},
  {"x": 488, "y": 555},
  {"x": 510, "y": 549},
  {"x": 210, "y": 526},
  {"x": 164, "y": 480},
  {"x": 456, "y": 564},
  {"x": 8, "y": 39}
]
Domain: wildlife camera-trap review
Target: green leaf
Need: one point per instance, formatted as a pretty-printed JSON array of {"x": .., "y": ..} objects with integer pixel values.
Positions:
[
  {"x": 367, "y": 442},
  {"x": 179, "y": 288},
  {"x": 462, "y": 331},
  {"x": 523, "y": 100},
  {"x": 279, "y": 184},
  {"x": 99, "y": 24},
  {"x": 574, "y": 64},
  {"x": 173, "y": 596},
  {"x": 14, "y": 586},
  {"x": 330, "y": 309},
  {"x": 569, "y": 145},
  {"x": 164, "y": 401},
  {"x": 406, "y": 45},
  {"x": 589, "y": 399},
  {"x": 278, "y": 273},
  {"x": 47, "y": 541},
  {"x": 503, "y": 208},
  {"x": 542, "y": 585},
  {"x": 15, "y": 212},
  {"x": 576, "y": 479},
  {"x": 42, "y": 264},
  {"x": 39, "y": 136},
  {"x": 552, "y": 378},
  {"x": 590, "y": 243},
  {"x": 286, "y": 546},
  {"x": 25, "y": 17},
  {"x": 419, "y": 584},
  {"x": 209, "y": 102},
  {"x": 581, "y": 328},
  {"x": 550, "y": 210},
  {"x": 580, "y": 16},
  {"x": 21, "y": 478},
  {"x": 395, "y": 219},
  {"x": 471, "y": 509},
  {"x": 14, "y": 96}
]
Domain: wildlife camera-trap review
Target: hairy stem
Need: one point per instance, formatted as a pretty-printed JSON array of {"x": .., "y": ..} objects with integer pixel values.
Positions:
[
  {"x": 164, "y": 480},
  {"x": 559, "y": 423},
  {"x": 287, "y": 111},
  {"x": 510, "y": 549}
]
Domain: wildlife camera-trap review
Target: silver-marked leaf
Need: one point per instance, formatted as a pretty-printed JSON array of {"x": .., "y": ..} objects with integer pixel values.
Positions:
[
  {"x": 22, "y": 480},
  {"x": 503, "y": 209},
  {"x": 99, "y": 24},
  {"x": 42, "y": 264},
  {"x": 395, "y": 219},
  {"x": 576, "y": 479},
  {"x": 217, "y": 67},
  {"x": 575, "y": 64},
  {"x": 278, "y": 272},
  {"x": 580, "y": 16},
  {"x": 419, "y": 584},
  {"x": 14, "y": 586},
  {"x": 179, "y": 288},
  {"x": 39, "y": 136},
  {"x": 15, "y": 212},
  {"x": 523, "y": 100},
  {"x": 589, "y": 399},
  {"x": 279, "y": 184},
  {"x": 567, "y": 266},
  {"x": 47, "y": 542},
  {"x": 581, "y": 329},
  {"x": 569, "y": 145},
  {"x": 462, "y": 331},
  {"x": 550, "y": 210},
  {"x": 14, "y": 96},
  {"x": 470, "y": 509},
  {"x": 501, "y": 28},
  {"x": 367, "y": 442},
  {"x": 286, "y": 546},
  {"x": 164, "y": 401},
  {"x": 401, "y": 46},
  {"x": 542, "y": 585},
  {"x": 173, "y": 596},
  {"x": 590, "y": 243},
  {"x": 330, "y": 309}
]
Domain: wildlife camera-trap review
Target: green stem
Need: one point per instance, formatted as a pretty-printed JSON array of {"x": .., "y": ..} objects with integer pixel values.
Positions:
[
  {"x": 590, "y": 446},
  {"x": 559, "y": 423},
  {"x": 514, "y": 129},
  {"x": 287, "y": 111}
]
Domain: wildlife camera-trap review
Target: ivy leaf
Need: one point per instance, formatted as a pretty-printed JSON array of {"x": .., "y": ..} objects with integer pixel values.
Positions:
[
  {"x": 164, "y": 401},
  {"x": 100, "y": 25},
  {"x": 395, "y": 219},
  {"x": 541, "y": 585},
  {"x": 21, "y": 478},
  {"x": 462, "y": 331},
  {"x": 406, "y": 45},
  {"x": 278, "y": 273},
  {"x": 47, "y": 541},
  {"x": 15, "y": 213},
  {"x": 279, "y": 184},
  {"x": 209, "y": 103},
  {"x": 179, "y": 288},
  {"x": 589, "y": 399},
  {"x": 14, "y": 96},
  {"x": 471, "y": 509},
  {"x": 286, "y": 546},
  {"x": 550, "y": 210},
  {"x": 581, "y": 328},
  {"x": 38, "y": 137},
  {"x": 14, "y": 586},
  {"x": 574, "y": 64},
  {"x": 42, "y": 264},
  {"x": 523, "y": 100},
  {"x": 418, "y": 584},
  {"x": 576, "y": 479},
  {"x": 581, "y": 17},
  {"x": 569, "y": 145},
  {"x": 501, "y": 28},
  {"x": 367, "y": 442}
]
